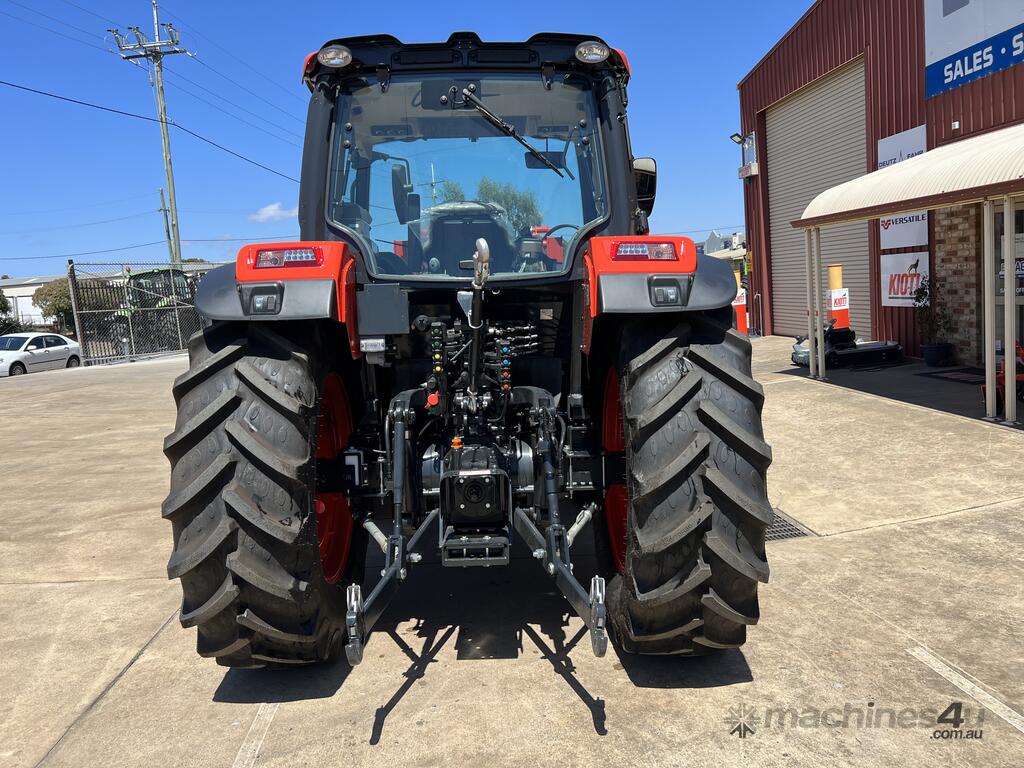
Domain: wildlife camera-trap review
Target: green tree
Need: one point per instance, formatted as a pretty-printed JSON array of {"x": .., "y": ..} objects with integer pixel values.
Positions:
[
  {"x": 452, "y": 192},
  {"x": 54, "y": 300},
  {"x": 521, "y": 207},
  {"x": 5, "y": 305}
]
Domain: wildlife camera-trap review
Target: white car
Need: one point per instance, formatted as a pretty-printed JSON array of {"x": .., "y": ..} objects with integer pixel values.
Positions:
[{"x": 30, "y": 352}]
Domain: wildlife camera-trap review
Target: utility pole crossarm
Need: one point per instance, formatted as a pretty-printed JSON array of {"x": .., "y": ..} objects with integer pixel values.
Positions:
[{"x": 155, "y": 51}]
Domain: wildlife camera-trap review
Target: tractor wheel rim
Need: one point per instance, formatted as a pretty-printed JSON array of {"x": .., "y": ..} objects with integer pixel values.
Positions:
[
  {"x": 333, "y": 513},
  {"x": 616, "y": 498}
]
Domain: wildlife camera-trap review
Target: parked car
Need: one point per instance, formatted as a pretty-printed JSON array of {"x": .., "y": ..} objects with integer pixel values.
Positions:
[{"x": 30, "y": 352}]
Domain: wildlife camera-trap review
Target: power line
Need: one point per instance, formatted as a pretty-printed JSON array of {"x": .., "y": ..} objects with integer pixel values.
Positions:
[
  {"x": 233, "y": 56},
  {"x": 150, "y": 120},
  {"x": 264, "y": 239},
  {"x": 233, "y": 116},
  {"x": 196, "y": 58},
  {"x": 82, "y": 253},
  {"x": 703, "y": 229},
  {"x": 232, "y": 152},
  {"x": 180, "y": 76},
  {"x": 268, "y": 238},
  {"x": 53, "y": 31},
  {"x": 91, "y": 13},
  {"x": 74, "y": 208},
  {"x": 84, "y": 224},
  {"x": 53, "y": 18}
]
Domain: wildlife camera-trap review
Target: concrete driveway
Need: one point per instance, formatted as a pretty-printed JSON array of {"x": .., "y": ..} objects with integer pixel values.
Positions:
[{"x": 908, "y": 600}]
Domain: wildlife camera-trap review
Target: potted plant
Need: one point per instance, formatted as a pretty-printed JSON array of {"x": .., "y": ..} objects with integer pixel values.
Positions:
[{"x": 933, "y": 322}]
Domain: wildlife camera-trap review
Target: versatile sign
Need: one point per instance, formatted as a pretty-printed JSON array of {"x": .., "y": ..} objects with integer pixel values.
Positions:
[
  {"x": 902, "y": 274},
  {"x": 840, "y": 309},
  {"x": 968, "y": 39},
  {"x": 907, "y": 229}
]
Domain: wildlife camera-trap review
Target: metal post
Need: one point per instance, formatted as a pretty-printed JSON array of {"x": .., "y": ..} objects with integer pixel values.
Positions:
[
  {"x": 819, "y": 324},
  {"x": 155, "y": 51},
  {"x": 1009, "y": 313},
  {"x": 989, "y": 294},
  {"x": 167, "y": 226},
  {"x": 812, "y": 337},
  {"x": 174, "y": 301},
  {"x": 161, "y": 109},
  {"x": 130, "y": 350},
  {"x": 73, "y": 290}
]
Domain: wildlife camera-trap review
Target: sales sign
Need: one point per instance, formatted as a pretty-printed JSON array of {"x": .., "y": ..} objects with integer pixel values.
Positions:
[
  {"x": 902, "y": 274},
  {"x": 906, "y": 229},
  {"x": 968, "y": 39}
]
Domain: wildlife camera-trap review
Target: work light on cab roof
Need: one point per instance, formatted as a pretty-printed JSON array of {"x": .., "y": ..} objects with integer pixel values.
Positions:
[
  {"x": 592, "y": 52},
  {"x": 335, "y": 56}
]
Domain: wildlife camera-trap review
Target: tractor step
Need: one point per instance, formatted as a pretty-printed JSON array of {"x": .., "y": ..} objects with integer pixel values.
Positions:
[{"x": 463, "y": 550}]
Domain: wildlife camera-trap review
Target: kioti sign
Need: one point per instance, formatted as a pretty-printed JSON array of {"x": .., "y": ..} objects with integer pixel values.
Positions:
[{"x": 902, "y": 274}]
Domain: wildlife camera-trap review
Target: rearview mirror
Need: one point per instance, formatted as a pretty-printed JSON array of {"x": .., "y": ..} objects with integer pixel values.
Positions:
[
  {"x": 557, "y": 159},
  {"x": 401, "y": 192},
  {"x": 645, "y": 173}
]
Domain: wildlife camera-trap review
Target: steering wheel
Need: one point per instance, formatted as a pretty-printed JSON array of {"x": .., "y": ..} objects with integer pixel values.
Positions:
[{"x": 555, "y": 228}]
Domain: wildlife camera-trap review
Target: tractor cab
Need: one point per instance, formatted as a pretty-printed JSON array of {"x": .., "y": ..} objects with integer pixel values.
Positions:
[
  {"x": 432, "y": 147},
  {"x": 158, "y": 287}
]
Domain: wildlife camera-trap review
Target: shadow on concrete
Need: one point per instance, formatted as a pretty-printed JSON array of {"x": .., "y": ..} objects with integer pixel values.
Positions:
[
  {"x": 490, "y": 613},
  {"x": 726, "y": 667},
  {"x": 257, "y": 686},
  {"x": 950, "y": 389},
  {"x": 485, "y": 614}
]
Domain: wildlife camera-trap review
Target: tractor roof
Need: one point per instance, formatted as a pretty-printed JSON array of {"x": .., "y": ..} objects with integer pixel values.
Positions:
[{"x": 463, "y": 50}]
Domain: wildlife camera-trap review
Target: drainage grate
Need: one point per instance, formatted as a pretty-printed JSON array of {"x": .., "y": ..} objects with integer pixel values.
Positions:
[{"x": 785, "y": 527}]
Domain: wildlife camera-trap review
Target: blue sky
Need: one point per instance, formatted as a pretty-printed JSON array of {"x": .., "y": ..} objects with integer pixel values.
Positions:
[{"x": 75, "y": 179}]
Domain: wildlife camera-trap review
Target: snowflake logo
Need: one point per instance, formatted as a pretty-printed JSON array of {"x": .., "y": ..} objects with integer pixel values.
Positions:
[{"x": 743, "y": 721}]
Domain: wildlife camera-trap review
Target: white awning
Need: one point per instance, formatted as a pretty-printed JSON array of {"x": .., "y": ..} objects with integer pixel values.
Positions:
[{"x": 966, "y": 171}]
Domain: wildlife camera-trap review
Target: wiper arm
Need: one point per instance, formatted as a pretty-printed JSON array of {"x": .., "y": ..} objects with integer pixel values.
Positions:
[{"x": 507, "y": 128}]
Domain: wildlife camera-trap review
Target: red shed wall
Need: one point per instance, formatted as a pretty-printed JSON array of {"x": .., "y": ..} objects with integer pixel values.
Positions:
[{"x": 890, "y": 36}]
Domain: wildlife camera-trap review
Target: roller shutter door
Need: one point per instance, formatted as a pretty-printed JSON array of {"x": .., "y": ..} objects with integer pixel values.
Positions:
[{"x": 816, "y": 139}]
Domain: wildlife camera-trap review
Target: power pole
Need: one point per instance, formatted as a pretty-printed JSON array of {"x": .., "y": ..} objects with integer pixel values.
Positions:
[
  {"x": 155, "y": 51},
  {"x": 167, "y": 228}
]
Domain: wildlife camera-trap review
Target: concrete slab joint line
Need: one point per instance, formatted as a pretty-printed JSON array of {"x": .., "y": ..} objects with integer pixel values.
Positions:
[
  {"x": 973, "y": 690},
  {"x": 106, "y": 689},
  {"x": 250, "y": 749}
]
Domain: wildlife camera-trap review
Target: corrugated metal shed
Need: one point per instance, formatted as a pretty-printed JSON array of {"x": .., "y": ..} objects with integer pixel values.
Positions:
[
  {"x": 889, "y": 34},
  {"x": 961, "y": 172},
  {"x": 815, "y": 140}
]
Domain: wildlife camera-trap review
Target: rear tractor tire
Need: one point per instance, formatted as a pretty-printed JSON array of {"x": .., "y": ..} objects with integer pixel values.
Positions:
[
  {"x": 243, "y": 501},
  {"x": 688, "y": 529}
]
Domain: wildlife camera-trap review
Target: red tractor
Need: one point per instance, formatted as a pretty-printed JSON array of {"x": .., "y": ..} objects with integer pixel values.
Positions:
[{"x": 476, "y": 338}]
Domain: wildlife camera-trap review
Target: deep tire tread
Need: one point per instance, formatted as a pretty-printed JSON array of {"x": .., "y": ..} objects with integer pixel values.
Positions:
[
  {"x": 698, "y": 506},
  {"x": 241, "y": 499}
]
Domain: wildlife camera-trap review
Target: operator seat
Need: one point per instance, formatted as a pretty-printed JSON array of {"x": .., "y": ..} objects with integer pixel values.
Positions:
[{"x": 453, "y": 239}]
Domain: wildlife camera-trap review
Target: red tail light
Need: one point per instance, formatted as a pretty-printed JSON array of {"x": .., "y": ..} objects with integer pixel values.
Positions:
[
  {"x": 634, "y": 251},
  {"x": 289, "y": 257}
]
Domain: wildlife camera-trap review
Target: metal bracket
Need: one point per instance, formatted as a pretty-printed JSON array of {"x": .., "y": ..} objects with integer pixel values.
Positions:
[
  {"x": 362, "y": 616},
  {"x": 547, "y": 73},
  {"x": 384, "y": 77},
  {"x": 555, "y": 548}
]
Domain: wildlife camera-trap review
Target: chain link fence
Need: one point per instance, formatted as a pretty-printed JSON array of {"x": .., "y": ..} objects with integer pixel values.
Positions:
[{"x": 124, "y": 311}]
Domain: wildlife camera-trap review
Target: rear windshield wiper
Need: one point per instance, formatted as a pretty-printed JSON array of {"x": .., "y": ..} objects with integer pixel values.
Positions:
[{"x": 507, "y": 128}]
